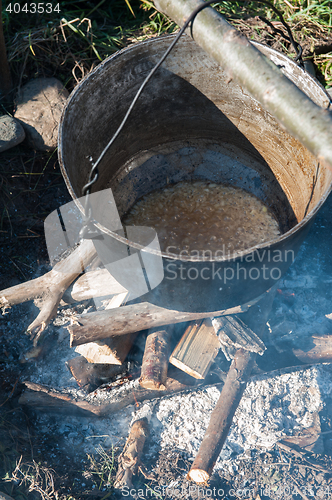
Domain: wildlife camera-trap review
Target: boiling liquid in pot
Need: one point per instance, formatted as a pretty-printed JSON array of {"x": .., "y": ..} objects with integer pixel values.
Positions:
[{"x": 197, "y": 217}]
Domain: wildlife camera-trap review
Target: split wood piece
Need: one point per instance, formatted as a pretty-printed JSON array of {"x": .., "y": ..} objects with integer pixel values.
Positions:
[
  {"x": 232, "y": 332},
  {"x": 134, "y": 318},
  {"x": 222, "y": 416},
  {"x": 113, "y": 350},
  {"x": 130, "y": 458},
  {"x": 50, "y": 287},
  {"x": 155, "y": 360},
  {"x": 196, "y": 349},
  {"x": 45, "y": 399},
  {"x": 98, "y": 283},
  {"x": 318, "y": 349},
  {"x": 90, "y": 376}
]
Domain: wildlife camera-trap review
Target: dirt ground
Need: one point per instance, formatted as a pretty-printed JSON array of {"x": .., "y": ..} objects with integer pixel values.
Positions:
[{"x": 31, "y": 188}]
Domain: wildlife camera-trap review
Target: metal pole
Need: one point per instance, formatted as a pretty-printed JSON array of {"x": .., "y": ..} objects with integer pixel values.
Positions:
[{"x": 296, "y": 112}]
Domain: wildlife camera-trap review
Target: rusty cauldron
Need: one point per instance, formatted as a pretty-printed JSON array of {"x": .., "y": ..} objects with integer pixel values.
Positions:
[{"x": 191, "y": 123}]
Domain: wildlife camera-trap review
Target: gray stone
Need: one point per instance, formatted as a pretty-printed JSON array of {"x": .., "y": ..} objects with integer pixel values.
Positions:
[
  {"x": 11, "y": 132},
  {"x": 39, "y": 106}
]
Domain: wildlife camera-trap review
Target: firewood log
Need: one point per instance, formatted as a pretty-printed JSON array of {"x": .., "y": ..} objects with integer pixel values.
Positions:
[
  {"x": 50, "y": 287},
  {"x": 49, "y": 400},
  {"x": 129, "y": 460},
  {"x": 98, "y": 283},
  {"x": 90, "y": 376},
  {"x": 155, "y": 360},
  {"x": 113, "y": 350},
  {"x": 230, "y": 397},
  {"x": 222, "y": 416},
  {"x": 134, "y": 318},
  {"x": 317, "y": 349}
]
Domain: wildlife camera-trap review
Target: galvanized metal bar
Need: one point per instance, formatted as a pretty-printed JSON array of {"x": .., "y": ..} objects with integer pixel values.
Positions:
[{"x": 296, "y": 112}]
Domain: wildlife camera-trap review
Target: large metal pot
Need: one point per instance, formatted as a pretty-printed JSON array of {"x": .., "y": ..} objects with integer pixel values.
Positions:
[{"x": 191, "y": 122}]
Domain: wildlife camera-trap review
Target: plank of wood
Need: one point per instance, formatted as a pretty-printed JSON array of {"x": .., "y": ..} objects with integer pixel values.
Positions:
[
  {"x": 197, "y": 348},
  {"x": 133, "y": 318}
]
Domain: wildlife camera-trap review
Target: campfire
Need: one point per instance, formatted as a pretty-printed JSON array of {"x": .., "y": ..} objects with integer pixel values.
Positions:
[{"x": 187, "y": 325}]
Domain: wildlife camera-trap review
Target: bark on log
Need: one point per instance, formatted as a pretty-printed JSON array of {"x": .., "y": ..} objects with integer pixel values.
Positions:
[
  {"x": 50, "y": 287},
  {"x": 134, "y": 318},
  {"x": 318, "y": 349},
  {"x": 155, "y": 360},
  {"x": 296, "y": 112},
  {"x": 196, "y": 349},
  {"x": 222, "y": 416},
  {"x": 90, "y": 376},
  {"x": 130, "y": 458}
]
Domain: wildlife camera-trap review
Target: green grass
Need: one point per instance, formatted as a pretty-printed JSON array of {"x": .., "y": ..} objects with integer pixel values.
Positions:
[{"x": 71, "y": 43}]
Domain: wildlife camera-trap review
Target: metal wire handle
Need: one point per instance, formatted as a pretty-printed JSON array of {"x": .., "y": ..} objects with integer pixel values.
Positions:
[{"x": 88, "y": 229}]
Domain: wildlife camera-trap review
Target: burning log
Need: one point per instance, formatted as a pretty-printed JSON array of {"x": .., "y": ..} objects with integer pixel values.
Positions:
[
  {"x": 133, "y": 318},
  {"x": 129, "y": 460},
  {"x": 155, "y": 361},
  {"x": 222, "y": 416},
  {"x": 50, "y": 287},
  {"x": 196, "y": 349},
  {"x": 318, "y": 350},
  {"x": 90, "y": 376}
]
